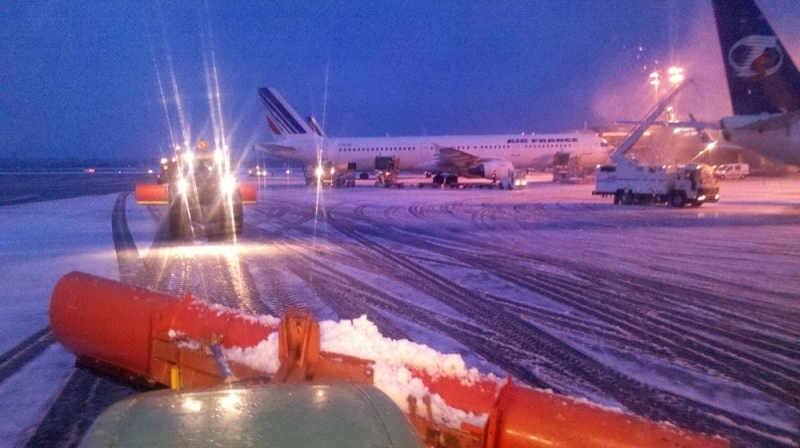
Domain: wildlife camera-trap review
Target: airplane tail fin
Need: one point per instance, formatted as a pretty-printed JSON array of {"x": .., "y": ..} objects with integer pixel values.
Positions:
[
  {"x": 761, "y": 76},
  {"x": 312, "y": 122},
  {"x": 282, "y": 119}
]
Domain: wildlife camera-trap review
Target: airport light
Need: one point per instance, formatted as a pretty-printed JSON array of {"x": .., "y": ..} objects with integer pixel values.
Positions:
[
  {"x": 655, "y": 80},
  {"x": 675, "y": 75}
]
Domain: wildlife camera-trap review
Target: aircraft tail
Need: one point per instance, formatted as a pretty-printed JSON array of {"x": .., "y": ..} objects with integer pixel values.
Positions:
[
  {"x": 282, "y": 119},
  {"x": 312, "y": 122},
  {"x": 761, "y": 76}
]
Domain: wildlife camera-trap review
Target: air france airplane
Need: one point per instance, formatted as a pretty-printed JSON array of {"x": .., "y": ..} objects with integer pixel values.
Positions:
[
  {"x": 475, "y": 156},
  {"x": 763, "y": 81}
]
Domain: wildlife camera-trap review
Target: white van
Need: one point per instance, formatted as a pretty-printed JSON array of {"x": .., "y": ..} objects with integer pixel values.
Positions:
[{"x": 732, "y": 171}]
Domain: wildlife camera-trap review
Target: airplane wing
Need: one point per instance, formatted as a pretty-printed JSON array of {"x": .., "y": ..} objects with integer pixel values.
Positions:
[
  {"x": 678, "y": 124},
  {"x": 452, "y": 159},
  {"x": 272, "y": 149},
  {"x": 773, "y": 122}
]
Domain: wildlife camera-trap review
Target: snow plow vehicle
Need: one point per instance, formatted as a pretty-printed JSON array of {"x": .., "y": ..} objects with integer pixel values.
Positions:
[
  {"x": 244, "y": 380},
  {"x": 199, "y": 188},
  {"x": 631, "y": 183}
]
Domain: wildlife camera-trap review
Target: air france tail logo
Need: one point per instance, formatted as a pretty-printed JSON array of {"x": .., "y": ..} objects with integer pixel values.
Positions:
[{"x": 756, "y": 57}]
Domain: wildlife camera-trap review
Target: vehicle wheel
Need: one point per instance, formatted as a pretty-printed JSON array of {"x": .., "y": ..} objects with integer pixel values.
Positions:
[
  {"x": 363, "y": 176},
  {"x": 742, "y": 176},
  {"x": 677, "y": 200},
  {"x": 627, "y": 198},
  {"x": 617, "y": 198}
]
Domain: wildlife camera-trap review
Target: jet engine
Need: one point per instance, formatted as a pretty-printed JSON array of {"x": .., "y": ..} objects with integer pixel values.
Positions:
[{"x": 491, "y": 169}]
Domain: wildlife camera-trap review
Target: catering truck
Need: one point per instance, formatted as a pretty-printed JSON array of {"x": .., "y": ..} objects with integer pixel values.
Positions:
[{"x": 199, "y": 188}]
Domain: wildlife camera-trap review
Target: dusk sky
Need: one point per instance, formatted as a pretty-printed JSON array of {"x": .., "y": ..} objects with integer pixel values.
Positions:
[{"x": 79, "y": 78}]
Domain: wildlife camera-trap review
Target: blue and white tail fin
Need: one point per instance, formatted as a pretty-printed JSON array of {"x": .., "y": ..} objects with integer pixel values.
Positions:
[
  {"x": 282, "y": 119},
  {"x": 761, "y": 75}
]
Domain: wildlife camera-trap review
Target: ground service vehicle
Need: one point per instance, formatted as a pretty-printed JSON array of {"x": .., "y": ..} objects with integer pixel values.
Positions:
[
  {"x": 732, "y": 171},
  {"x": 327, "y": 175},
  {"x": 199, "y": 188},
  {"x": 514, "y": 180},
  {"x": 631, "y": 183},
  {"x": 291, "y": 393}
]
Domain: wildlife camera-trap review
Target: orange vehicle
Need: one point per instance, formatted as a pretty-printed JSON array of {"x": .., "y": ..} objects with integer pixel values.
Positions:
[
  {"x": 199, "y": 187},
  {"x": 256, "y": 380}
]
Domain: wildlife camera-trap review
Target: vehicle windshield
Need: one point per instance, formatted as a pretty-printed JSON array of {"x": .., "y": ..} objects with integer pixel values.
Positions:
[{"x": 707, "y": 176}]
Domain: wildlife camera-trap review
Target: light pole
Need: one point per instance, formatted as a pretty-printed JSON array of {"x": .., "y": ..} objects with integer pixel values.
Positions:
[
  {"x": 675, "y": 77},
  {"x": 655, "y": 80}
]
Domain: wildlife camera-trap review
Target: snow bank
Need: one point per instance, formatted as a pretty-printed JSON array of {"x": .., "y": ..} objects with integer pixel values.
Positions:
[{"x": 392, "y": 369}]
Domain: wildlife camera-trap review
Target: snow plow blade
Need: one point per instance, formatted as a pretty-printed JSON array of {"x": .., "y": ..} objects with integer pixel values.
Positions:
[
  {"x": 249, "y": 193},
  {"x": 158, "y": 194},
  {"x": 152, "y": 194},
  {"x": 165, "y": 341}
]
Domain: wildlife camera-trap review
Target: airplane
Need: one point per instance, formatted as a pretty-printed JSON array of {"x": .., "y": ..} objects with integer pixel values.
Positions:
[
  {"x": 472, "y": 156},
  {"x": 763, "y": 81}
]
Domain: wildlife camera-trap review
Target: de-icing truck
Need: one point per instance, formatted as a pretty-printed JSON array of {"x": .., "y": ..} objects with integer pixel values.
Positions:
[{"x": 631, "y": 182}]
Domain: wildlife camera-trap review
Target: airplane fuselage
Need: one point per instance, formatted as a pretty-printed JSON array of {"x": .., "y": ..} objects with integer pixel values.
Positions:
[
  {"x": 420, "y": 153},
  {"x": 777, "y": 142}
]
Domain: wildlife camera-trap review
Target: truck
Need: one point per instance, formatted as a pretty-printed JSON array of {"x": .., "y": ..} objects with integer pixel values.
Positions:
[
  {"x": 198, "y": 187},
  {"x": 629, "y": 182},
  {"x": 515, "y": 179},
  {"x": 327, "y": 176}
]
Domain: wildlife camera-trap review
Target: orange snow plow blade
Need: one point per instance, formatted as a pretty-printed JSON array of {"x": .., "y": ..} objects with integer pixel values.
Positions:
[
  {"x": 158, "y": 194},
  {"x": 249, "y": 193},
  {"x": 188, "y": 343},
  {"x": 152, "y": 194}
]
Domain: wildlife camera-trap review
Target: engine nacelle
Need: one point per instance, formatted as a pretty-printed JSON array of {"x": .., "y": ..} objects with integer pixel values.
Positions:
[{"x": 492, "y": 169}]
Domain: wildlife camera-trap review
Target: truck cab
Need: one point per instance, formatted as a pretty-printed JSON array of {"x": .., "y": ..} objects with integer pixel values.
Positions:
[{"x": 695, "y": 184}]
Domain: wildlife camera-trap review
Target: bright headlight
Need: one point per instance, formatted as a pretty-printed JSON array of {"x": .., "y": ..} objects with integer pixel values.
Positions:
[
  {"x": 319, "y": 171},
  {"x": 188, "y": 157},
  {"x": 182, "y": 186},
  {"x": 228, "y": 185}
]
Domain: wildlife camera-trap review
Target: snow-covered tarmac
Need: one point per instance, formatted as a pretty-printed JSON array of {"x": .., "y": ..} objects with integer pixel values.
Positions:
[{"x": 696, "y": 304}]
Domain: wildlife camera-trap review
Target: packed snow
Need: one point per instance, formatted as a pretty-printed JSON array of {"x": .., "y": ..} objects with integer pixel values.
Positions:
[{"x": 744, "y": 247}]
